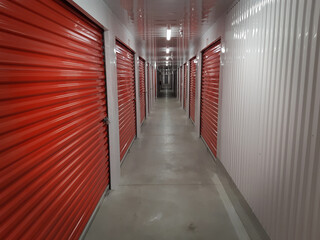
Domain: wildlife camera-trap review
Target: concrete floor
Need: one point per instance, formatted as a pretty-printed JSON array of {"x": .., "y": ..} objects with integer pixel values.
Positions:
[{"x": 172, "y": 189}]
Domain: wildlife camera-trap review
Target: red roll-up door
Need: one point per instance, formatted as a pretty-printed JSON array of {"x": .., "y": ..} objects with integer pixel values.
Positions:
[
  {"x": 126, "y": 97},
  {"x": 148, "y": 84},
  {"x": 185, "y": 86},
  {"x": 142, "y": 89},
  {"x": 210, "y": 95},
  {"x": 155, "y": 83},
  {"x": 54, "y": 164},
  {"x": 181, "y": 84},
  {"x": 150, "y": 87},
  {"x": 192, "y": 88}
]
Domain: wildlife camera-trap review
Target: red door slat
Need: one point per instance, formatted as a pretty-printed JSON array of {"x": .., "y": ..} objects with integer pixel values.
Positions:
[
  {"x": 192, "y": 89},
  {"x": 142, "y": 89},
  {"x": 54, "y": 157},
  {"x": 210, "y": 96},
  {"x": 126, "y": 97}
]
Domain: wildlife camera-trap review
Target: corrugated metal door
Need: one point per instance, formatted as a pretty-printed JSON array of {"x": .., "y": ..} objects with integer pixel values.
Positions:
[
  {"x": 185, "y": 86},
  {"x": 192, "y": 89},
  {"x": 142, "y": 88},
  {"x": 180, "y": 84},
  {"x": 148, "y": 86},
  {"x": 126, "y": 97},
  {"x": 155, "y": 83},
  {"x": 210, "y": 95},
  {"x": 54, "y": 148}
]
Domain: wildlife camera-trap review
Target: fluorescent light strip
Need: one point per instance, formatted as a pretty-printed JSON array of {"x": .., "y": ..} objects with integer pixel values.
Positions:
[{"x": 168, "y": 34}]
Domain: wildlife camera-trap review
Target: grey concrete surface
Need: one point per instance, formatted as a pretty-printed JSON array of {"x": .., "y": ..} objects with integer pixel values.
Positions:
[{"x": 166, "y": 189}]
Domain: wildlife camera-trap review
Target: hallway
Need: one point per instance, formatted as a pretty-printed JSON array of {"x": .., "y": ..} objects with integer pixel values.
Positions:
[
  {"x": 169, "y": 189},
  {"x": 160, "y": 119}
]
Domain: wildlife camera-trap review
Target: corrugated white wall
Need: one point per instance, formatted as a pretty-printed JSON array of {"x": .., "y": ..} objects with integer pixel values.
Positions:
[
  {"x": 114, "y": 28},
  {"x": 269, "y": 116}
]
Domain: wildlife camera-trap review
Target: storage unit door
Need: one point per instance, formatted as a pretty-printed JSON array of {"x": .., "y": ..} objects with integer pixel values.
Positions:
[
  {"x": 148, "y": 88},
  {"x": 54, "y": 146},
  {"x": 185, "y": 86},
  {"x": 181, "y": 84},
  {"x": 192, "y": 89},
  {"x": 155, "y": 83},
  {"x": 126, "y": 97},
  {"x": 210, "y": 95},
  {"x": 142, "y": 89}
]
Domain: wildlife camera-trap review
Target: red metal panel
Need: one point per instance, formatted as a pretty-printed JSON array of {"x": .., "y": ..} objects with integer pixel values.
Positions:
[
  {"x": 126, "y": 97},
  {"x": 210, "y": 95},
  {"x": 155, "y": 83},
  {"x": 142, "y": 89},
  {"x": 148, "y": 86},
  {"x": 192, "y": 88},
  {"x": 181, "y": 84},
  {"x": 54, "y": 160},
  {"x": 185, "y": 86}
]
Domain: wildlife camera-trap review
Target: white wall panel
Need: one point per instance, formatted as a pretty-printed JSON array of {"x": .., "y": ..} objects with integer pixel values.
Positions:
[
  {"x": 270, "y": 106},
  {"x": 102, "y": 14}
]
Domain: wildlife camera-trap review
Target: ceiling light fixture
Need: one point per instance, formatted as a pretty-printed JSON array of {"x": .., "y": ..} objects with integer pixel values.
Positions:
[
  {"x": 167, "y": 50},
  {"x": 167, "y": 58},
  {"x": 168, "y": 33}
]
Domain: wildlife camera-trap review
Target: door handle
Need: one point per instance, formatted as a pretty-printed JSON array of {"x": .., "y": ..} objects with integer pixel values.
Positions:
[{"x": 106, "y": 120}]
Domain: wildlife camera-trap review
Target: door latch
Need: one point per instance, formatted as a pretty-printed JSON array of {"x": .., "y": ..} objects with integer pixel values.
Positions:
[{"x": 106, "y": 120}]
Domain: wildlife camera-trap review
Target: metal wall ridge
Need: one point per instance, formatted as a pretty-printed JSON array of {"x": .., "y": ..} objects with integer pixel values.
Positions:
[{"x": 270, "y": 111}]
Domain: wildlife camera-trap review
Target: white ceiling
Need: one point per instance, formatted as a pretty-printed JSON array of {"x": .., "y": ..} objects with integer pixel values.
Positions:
[{"x": 149, "y": 19}]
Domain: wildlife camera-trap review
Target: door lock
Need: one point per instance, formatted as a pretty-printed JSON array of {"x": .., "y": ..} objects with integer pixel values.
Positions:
[{"x": 106, "y": 120}]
